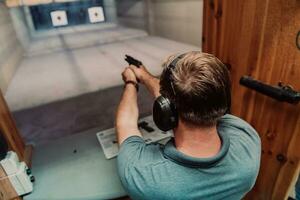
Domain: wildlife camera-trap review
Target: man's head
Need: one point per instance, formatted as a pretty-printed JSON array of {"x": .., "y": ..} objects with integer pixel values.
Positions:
[{"x": 202, "y": 88}]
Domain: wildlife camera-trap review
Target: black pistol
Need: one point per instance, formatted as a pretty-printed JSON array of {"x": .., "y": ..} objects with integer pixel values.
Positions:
[{"x": 133, "y": 61}]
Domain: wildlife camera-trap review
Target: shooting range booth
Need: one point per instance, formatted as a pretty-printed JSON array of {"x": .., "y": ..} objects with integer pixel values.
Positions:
[{"x": 60, "y": 66}]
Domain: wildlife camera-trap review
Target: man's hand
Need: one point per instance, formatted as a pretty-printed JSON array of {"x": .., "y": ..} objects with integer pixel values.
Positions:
[
  {"x": 151, "y": 82},
  {"x": 128, "y": 75},
  {"x": 141, "y": 73}
]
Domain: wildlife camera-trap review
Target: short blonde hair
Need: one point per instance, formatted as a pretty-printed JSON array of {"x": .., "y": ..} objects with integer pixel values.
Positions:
[{"x": 201, "y": 84}]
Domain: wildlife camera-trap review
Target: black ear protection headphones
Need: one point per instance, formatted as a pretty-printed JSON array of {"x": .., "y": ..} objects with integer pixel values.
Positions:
[{"x": 165, "y": 115}]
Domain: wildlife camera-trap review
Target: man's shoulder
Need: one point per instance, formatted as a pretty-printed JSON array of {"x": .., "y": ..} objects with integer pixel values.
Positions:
[
  {"x": 135, "y": 151},
  {"x": 245, "y": 144},
  {"x": 232, "y": 120},
  {"x": 235, "y": 126},
  {"x": 140, "y": 164}
]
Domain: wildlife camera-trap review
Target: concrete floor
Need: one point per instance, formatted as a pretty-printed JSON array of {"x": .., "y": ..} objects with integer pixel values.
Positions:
[
  {"x": 69, "y": 68},
  {"x": 55, "y": 120},
  {"x": 75, "y": 37}
]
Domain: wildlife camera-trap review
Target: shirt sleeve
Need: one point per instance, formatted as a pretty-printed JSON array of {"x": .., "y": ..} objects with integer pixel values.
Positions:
[
  {"x": 130, "y": 152},
  {"x": 134, "y": 162}
]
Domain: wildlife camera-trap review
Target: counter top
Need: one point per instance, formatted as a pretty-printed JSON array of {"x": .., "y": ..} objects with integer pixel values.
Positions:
[{"x": 74, "y": 167}]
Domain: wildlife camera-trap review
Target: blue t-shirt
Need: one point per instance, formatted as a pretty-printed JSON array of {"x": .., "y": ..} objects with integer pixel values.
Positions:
[{"x": 154, "y": 171}]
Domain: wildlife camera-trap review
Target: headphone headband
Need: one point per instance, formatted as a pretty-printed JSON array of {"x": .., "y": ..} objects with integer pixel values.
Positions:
[
  {"x": 170, "y": 68},
  {"x": 172, "y": 65}
]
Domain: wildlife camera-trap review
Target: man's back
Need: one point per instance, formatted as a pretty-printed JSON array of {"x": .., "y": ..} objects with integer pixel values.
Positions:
[{"x": 162, "y": 172}]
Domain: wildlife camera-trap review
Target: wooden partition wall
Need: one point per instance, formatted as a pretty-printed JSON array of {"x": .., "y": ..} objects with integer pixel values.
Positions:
[
  {"x": 15, "y": 142},
  {"x": 9, "y": 129},
  {"x": 259, "y": 38}
]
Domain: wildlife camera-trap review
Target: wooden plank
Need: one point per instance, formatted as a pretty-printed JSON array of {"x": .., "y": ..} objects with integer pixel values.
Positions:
[
  {"x": 7, "y": 192},
  {"x": 28, "y": 155},
  {"x": 9, "y": 129},
  {"x": 209, "y": 26},
  {"x": 35, "y": 2},
  {"x": 12, "y": 3},
  {"x": 281, "y": 62},
  {"x": 290, "y": 168},
  {"x": 16, "y": 3}
]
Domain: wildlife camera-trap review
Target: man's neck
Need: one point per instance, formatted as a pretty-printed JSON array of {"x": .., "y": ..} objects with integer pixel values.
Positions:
[{"x": 200, "y": 142}]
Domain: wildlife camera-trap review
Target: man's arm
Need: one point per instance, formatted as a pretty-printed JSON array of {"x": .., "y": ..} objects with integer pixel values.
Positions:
[
  {"x": 127, "y": 112},
  {"x": 150, "y": 81}
]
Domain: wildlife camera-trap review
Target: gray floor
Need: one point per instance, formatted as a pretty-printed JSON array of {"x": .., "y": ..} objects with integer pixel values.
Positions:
[
  {"x": 55, "y": 120},
  {"x": 69, "y": 72},
  {"x": 75, "y": 37}
]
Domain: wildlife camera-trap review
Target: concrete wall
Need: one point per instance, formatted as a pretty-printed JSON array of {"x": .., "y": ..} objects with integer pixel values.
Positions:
[
  {"x": 18, "y": 17},
  {"x": 11, "y": 51},
  {"x": 177, "y": 19},
  {"x": 131, "y": 13},
  {"x": 110, "y": 11}
]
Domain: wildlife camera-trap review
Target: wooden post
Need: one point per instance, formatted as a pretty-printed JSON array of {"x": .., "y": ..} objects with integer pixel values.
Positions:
[
  {"x": 290, "y": 168},
  {"x": 6, "y": 189},
  {"x": 10, "y": 131},
  {"x": 17, "y": 3},
  {"x": 16, "y": 144}
]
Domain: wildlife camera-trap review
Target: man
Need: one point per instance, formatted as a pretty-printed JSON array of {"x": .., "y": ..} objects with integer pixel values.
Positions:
[{"x": 213, "y": 155}]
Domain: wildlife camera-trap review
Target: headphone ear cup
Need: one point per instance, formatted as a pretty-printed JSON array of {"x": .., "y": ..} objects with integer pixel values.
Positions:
[{"x": 164, "y": 114}]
